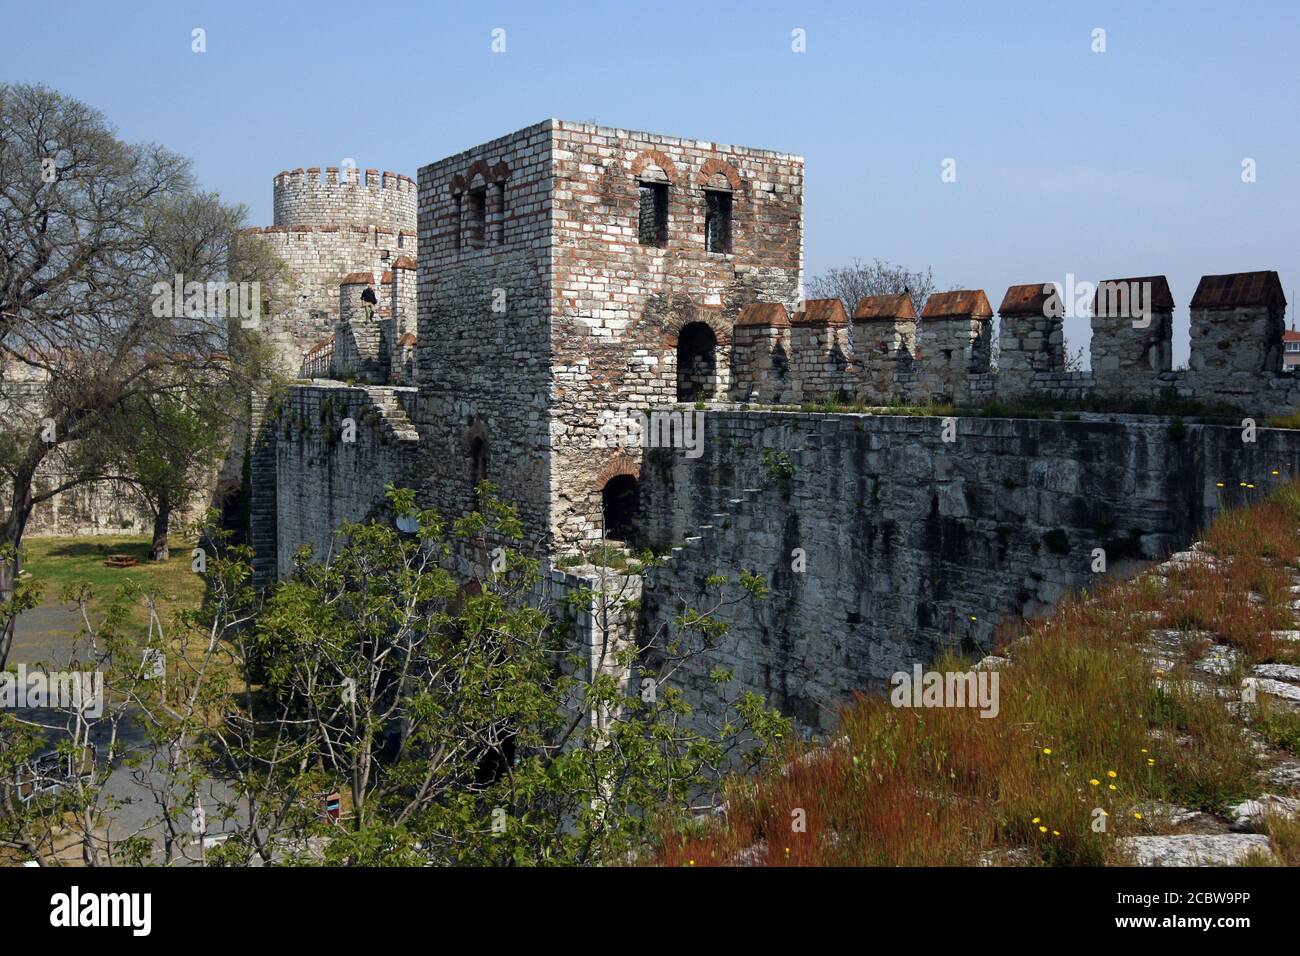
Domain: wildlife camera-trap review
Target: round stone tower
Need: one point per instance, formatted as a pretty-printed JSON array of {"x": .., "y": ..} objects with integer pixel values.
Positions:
[
  {"x": 327, "y": 228},
  {"x": 302, "y": 198}
]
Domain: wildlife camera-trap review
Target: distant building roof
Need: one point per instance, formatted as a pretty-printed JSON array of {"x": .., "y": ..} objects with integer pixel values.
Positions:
[{"x": 358, "y": 278}]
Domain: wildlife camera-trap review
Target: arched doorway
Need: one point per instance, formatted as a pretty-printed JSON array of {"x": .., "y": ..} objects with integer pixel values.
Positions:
[
  {"x": 620, "y": 503},
  {"x": 697, "y": 363}
]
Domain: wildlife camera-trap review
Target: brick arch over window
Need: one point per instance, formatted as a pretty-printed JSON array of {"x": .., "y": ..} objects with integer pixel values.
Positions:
[
  {"x": 619, "y": 464},
  {"x": 710, "y": 315},
  {"x": 715, "y": 167},
  {"x": 498, "y": 173},
  {"x": 653, "y": 157}
]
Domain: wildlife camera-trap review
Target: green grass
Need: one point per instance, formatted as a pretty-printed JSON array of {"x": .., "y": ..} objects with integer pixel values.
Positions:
[
  {"x": 1284, "y": 421},
  {"x": 1281, "y": 728},
  {"x": 1168, "y": 405},
  {"x": 59, "y": 564}
]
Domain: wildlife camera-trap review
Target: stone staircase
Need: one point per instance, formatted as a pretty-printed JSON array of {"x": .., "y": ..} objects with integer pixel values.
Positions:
[{"x": 396, "y": 423}]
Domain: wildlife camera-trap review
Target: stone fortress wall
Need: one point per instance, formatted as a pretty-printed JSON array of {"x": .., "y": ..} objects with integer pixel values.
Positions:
[
  {"x": 944, "y": 355},
  {"x": 324, "y": 230},
  {"x": 569, "y": 276},
  {"x": 331, "y": 318},
  {"x": 883, "y": 542}
]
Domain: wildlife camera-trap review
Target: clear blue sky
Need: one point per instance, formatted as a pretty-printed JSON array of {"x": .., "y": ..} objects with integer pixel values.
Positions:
[{"x": 1104, "y": 165}]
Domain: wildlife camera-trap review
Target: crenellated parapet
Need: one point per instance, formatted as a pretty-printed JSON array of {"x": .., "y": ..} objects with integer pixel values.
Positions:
[
  {"x": 344, "y": 197},
  {"x": 884, "y": 344},
  {"x": 944, "y": 355},
  {"x": 819, "y": 349},
  {"x": 954, "y": 343}
]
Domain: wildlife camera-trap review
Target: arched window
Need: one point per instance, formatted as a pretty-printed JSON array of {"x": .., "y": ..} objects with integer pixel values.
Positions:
[
  {"x": 652, "y": 225},
  {"x": 697, "y": 363},
  {"x": 717, "y": 220},
  {"x": 479, "y": 460},
  {"x": 620, "y": 503}
]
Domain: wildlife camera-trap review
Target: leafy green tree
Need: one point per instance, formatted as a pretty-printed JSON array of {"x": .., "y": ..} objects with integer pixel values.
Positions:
[
  {"x": 462, "y": 712},
  {"x": 93, "y": 227},
  {"x": 173, "y": 454}
]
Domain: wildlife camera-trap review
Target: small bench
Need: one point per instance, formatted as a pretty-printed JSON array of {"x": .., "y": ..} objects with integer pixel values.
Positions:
[{"x": 120, "y": 561}]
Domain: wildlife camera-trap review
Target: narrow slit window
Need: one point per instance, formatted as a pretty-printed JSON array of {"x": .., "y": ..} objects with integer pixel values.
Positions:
[
  {"x": 653, "y": 227},
  {"x": 477, "y": 218},
  {"x": 500, "y": 237},
  {"x": 717, "y": 220}
]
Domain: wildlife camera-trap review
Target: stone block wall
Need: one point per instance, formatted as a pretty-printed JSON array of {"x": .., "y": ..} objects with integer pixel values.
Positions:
[
  {"x": 910, "y": 543},
  {"x": 954, "y": 342},
  {"x": 820, "y": 350},
  {"x": 1132, "y": 334},
  {"x": 322, "y": 479},
  {"x": 1237, "y": 326},
  {"x": 884, "y": 345},
  {"x": 1031, "y": 340},
  {"x": 359, "y": 351},
  {"x": 484, "y": 341},
  {"x": 760, "y": 353}
]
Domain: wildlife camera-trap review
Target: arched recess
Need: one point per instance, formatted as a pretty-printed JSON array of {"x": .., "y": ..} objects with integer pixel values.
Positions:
[
  {"x": 620, "y": 506},
  {"x": 697, "y": 363},
  {"x": 478, "y": 451},
  {"x": 645, "y": 161},
  {"x": 620, "y": 498}
]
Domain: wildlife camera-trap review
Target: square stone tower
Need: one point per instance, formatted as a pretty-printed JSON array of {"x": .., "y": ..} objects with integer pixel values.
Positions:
[{"x": 569, "y": 277}]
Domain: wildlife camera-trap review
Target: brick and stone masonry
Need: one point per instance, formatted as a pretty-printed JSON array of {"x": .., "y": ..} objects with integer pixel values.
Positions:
[
  {"x": 549, "y": 308},
  {"x": 954, "y": 342},
  {"x": 568, "y": 274},
  {"x": 884, "y": 344}
]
